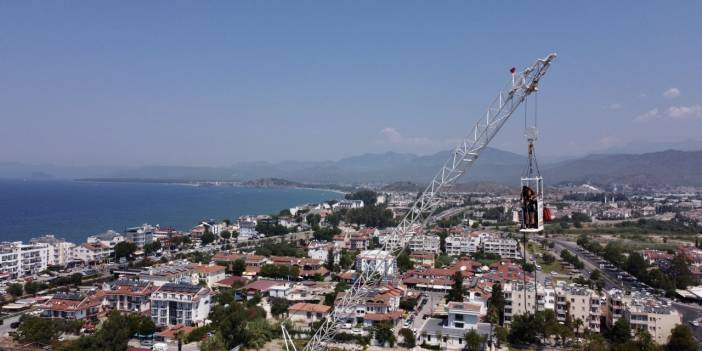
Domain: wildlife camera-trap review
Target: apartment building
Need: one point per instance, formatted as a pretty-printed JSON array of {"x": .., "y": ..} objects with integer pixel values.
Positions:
[
  {"x": 644, "y": 312},
  {"x": 60, "y": 252},
  {"x": 425, "y": 243},
  {"x": 576, "y": 302},
  {"x": 519, "y": 301},
  {"x": 93, "y": 252},
  {"x": 129, "y": 295},
  {"x": 505, "y": 247},
  {"x": 369, "y": 259},
  {"x": 656, "y": 317},
  {"x": 208, "y": 273},
  {"x": 143, "y": 234},
  {"x": 163, "y": 274},
  {"x": 19, "y": 260},
  {"x": 180, "y": 303},
  {"x": 74, "y": 306},
  {"x": 464, "y": 243},
  {"x": 308, "y": 312}
]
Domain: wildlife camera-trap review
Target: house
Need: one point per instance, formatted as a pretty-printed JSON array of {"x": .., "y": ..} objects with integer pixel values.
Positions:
[
  {"x": 308, "y": 312},
  {"x": 347, "y": 205},
  {"x": 109, "y": 238},
  {"x": 74, "y": 306},
  {"x": 369, "y": 259},
  {"x": 266, "y": 287},
  {"x": 93, "y": 252},
  {"x": 209, "y": 273},
  {"x": 129, "y": 295},
  {"x": 180, "y": 303},
  {"x": 163, "y": 274}
]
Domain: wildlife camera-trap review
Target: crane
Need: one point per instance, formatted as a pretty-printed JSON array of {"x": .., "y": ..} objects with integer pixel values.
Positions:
[{"x": 462, "y": 158}]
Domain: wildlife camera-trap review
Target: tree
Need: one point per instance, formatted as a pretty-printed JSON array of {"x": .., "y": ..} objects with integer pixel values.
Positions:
[
  {"x": 383, "y": 333},
  {"x": 213, "y": 343},
  {"x": 146, "y": 326},
  {"x": 152, "y": 247},
  {"x": 239, "y": 266},
  {"x": 367, "y": 196},
  {"x": 125, "y": 249},
  {"x": 635, "y": 264},
  {"x": 682, "y": 339},
  {"x": 473, "y": 341},
  {"x": 207, "y": 238},
  {"x": 408, "y": 338},
  {"x": 37, "y": 330},
  {"x": 313, "y": 219},
  {"x": 456, "y": 292},
  {"x": 330, "y": 259},
  {"x": 333, "y": 220},
  {"x": 279, "y": 307},
  {"x": 523, "y": 329},
  {"x": 225, "y": 234},
  {"x": 404, "y": 263},
  {"x": 497, "y": 301},
  {"x": 620, "y": 332},
  {"x": 680, "y": 272},
  {"x": 15, "y": 289}
]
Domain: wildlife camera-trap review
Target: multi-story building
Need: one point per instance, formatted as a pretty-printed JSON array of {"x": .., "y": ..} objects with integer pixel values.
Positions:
[
  {"x": 656, "y": 317},
  {"x": 575, "y": 302},
  {"x": 60, "y": 251},
  {"x": 519, "y": 301},
  {"x": 74, "y": 306},
  {"x": 109, "y": 238},
  {"x": 464, "y": 243},
  {"x": 449, "y": 334},
  {"x": 19, "y": 260},
  {"x": 180, "y": 303},
  {"x": 347, "y": 205},
  {"x": 505, "y": 247},
  {"x": 140, "y": 235},
  {"x": 644, "y": 312},
  {"x": 369, "y": 259},
  {"x": 308, "y": 312},
  {"x": 209, "y": 273},
  {"x": 320, "y": 251},
  {"x": 93, "y": 252},
  {"x": 425, "y": 243},
  {"x": 129, "y": 295},
  {"x": 172, "y": 273}
]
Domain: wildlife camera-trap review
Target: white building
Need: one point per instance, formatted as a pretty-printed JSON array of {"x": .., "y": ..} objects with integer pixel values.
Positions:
[
  {"x": 109, "y": 238},
  {"x": 462, "y": 244},
  {"x": 369, "y": 259},
  {"x": 143, "y": 234},
  {"x": 425, "y": 243},
  {"x": 320, "y": 251},
  {"x": 347, "y": 204},
  {"x": 247, "y": 229},
  {"x": 60, "y": 251},
  {"x": 180, "y": 303},
  {"x": 505, "y": 247},
  {"x": 308, "y": 312},
  {"x": 93, "y": 252},
  {"x": 19, "y": 260}
]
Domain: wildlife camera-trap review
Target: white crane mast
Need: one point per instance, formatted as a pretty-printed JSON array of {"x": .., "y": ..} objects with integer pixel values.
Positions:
[{"x": 464, "y": 156}]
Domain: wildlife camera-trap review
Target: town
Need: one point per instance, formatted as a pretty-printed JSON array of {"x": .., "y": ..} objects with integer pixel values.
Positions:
[{"x": 611, "y": 268}]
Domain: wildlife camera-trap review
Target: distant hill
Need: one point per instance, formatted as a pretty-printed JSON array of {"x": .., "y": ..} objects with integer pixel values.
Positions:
[
  {"x": 669, "y": 167},
  {"x": 408, "y": 171}
]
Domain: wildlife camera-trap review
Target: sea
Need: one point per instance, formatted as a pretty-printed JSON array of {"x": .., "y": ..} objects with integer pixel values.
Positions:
[{"x": 73, "y": 210}]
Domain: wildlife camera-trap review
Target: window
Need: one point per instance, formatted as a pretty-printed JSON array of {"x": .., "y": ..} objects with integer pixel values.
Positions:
[{"x": 458, "y": 317}]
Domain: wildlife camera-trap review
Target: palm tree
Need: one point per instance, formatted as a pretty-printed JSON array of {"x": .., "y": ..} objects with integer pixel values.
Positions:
[{"x": 578, "y": 324}]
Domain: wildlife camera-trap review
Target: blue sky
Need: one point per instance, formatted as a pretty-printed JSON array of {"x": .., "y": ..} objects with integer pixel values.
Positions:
[{"x": 212, "y": 83}]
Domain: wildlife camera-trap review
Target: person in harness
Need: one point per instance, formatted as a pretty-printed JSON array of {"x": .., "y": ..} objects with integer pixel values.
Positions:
[{"x": 529, "y": 207}]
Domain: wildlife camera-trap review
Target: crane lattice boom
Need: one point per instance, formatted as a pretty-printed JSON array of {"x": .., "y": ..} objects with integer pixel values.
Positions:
[{"x": 462, "y": 158}]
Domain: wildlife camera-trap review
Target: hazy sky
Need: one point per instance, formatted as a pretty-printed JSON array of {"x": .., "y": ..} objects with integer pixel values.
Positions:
[{"x": 195, "y": 83}]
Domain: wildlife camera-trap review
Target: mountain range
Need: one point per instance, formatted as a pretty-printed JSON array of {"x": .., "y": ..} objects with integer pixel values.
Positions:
[{"x": 670, "y": 167}]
